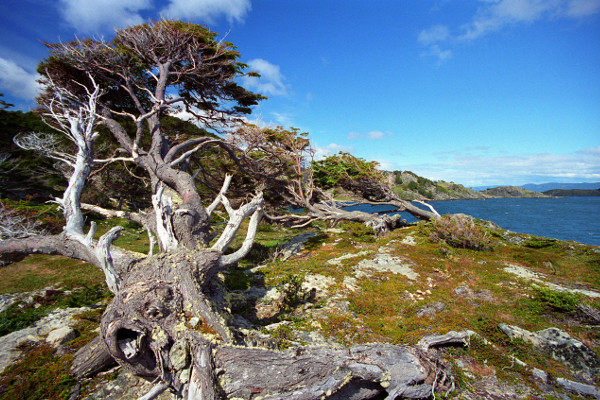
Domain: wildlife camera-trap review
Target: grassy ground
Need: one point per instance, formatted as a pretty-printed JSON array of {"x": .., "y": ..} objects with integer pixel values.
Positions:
[{"x": 462, "y": 275}]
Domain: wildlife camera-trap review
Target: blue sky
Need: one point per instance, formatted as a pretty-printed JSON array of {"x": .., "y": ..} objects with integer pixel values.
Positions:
[{"x": 479, "y": 92}]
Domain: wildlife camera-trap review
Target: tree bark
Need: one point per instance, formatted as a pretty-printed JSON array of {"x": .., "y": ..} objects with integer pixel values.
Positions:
[{"x": 92, "y": 358}]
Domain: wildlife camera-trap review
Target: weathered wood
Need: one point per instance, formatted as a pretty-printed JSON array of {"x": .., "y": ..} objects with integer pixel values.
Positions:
[
  {"x": 165, "y": 309},
  {"x": 360, "y": 372},
  {"x": 92, "y": 358}
]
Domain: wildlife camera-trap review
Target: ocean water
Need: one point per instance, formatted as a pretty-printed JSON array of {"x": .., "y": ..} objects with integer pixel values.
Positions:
[{"x": 563, "y": 218}]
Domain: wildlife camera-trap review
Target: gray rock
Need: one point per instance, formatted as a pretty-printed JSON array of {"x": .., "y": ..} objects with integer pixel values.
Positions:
[
  {"x": 295, "y": 245},
  {"x": 60, "y": 336},
  {"x": 125, "y": 387},
  {"x": 237, "y": 301},
  {"x": 582, "y": 361},
  {"x": 9, "y": 344},
  {"x": 579, "y": 388},
  {"x": 386, "y": 262},
  {"x": 430, "y": 309},
  {"x": 539, "y": 374},
  {"x": 179, "y": 355},
  {"x": 572, "y": 353}
]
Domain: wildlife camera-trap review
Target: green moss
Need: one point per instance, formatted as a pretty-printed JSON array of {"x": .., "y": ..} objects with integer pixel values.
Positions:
[{"x": 20, "y": 315}]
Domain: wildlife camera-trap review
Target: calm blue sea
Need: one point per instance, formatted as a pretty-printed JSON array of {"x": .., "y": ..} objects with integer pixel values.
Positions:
[{"x": 564, "y": 218}]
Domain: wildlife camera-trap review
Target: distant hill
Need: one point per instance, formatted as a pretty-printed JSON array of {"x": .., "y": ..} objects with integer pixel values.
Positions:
[
  {"x": 410, "y": 186},
  {"x": 543, "y": 187},
  {"x": 572, "y": 192},
  {"x": 511, "y": 191}
]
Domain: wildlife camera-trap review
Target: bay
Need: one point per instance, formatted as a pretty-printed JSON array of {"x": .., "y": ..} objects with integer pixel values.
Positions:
[{"x": 563, "y": 218}]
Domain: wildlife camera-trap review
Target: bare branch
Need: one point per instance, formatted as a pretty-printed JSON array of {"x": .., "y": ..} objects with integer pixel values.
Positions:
[
  {"x": 140, "y": 218},
  {"x": 250, "y": 236},
  {"x": 14, "y": 226},
  {"x": 220, "y": 196},
  {"x": 433, "y": 210},
  {"x": 236, "y": 217}
]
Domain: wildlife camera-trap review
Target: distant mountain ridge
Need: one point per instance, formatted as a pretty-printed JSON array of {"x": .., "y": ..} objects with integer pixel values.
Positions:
[
  {"x": 511, "y": 191},
  {"x": 542, "y": 187},
  {"x": 573, "y": 192}
]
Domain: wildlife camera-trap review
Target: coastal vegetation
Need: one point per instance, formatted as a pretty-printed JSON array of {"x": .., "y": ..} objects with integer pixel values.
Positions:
[{"x": 330, "y": 293}]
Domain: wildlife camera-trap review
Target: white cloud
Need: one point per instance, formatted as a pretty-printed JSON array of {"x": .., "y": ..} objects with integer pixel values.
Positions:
[
  {"x": 330, "y": 149},
  {"x": 270, "y": 81},
  {"x": 473, "y": 169},
  {"x": 17, "y": 81},
  {"x": 583, "y": 8},
  {"x": 496, "y": 15},
  {"x": 102, "y": 15},
  {"x": 207, "y": 10},
  {"x": 373, "y": 135},
  {"x": 437, "y": 33},
  {"x": 282, "y": 119},
  {"x": 507, "y": 12},
  {"x": 435, "y": 51}
]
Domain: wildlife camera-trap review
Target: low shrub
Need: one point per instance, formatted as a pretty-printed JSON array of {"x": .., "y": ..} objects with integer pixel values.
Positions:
[
  {"x": 359, "y": 231},
  {"x": 539, "y": 243},
  {"x": 459, "y": 231},
  {"x": 556, "y": 301},
  {"x": 293, "y": 294}
]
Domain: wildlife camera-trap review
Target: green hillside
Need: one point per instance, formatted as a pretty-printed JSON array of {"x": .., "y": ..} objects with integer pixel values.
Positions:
[{"x": 410, "y": 186}]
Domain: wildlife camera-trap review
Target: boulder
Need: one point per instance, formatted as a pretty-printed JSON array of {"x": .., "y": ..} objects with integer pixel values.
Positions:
[{"x": 580, "y": 359}]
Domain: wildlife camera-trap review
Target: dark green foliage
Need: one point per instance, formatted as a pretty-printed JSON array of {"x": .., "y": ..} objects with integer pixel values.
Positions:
[
  {"x": 359, "y": 231},
  {"x": 25, "y": 174},
  {"x": 556, "y": 301},
  {"x": 572, "y": 192},
  {"x": 19, "y": 316},
  {"x": 345, "y": 170},
  {"x": 237, "y": 279},
  {"x": 539, "y": 243},
  {"x": 293, "y": 294},
  {"x": 283, "y": 335}
]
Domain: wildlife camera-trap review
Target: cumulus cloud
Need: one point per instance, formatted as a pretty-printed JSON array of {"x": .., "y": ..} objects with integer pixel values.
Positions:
[
  {"x": 271, "y": 81},
  {"x": 18, "y": 81},
  {"x": 102, "y": 15},
  {"x": 207, "y": 10},
  {"x": 474, "y": 168},
  {"x": 495, "y": 15}
]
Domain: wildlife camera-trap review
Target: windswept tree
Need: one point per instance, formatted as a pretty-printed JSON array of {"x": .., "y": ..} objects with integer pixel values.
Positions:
[
  {"x": 168, "y": 320},
  {"x": 286, "y": 158}
]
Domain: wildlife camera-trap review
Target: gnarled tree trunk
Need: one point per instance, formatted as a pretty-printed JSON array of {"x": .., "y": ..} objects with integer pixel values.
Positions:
[{"x": 168, "y": 323}]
